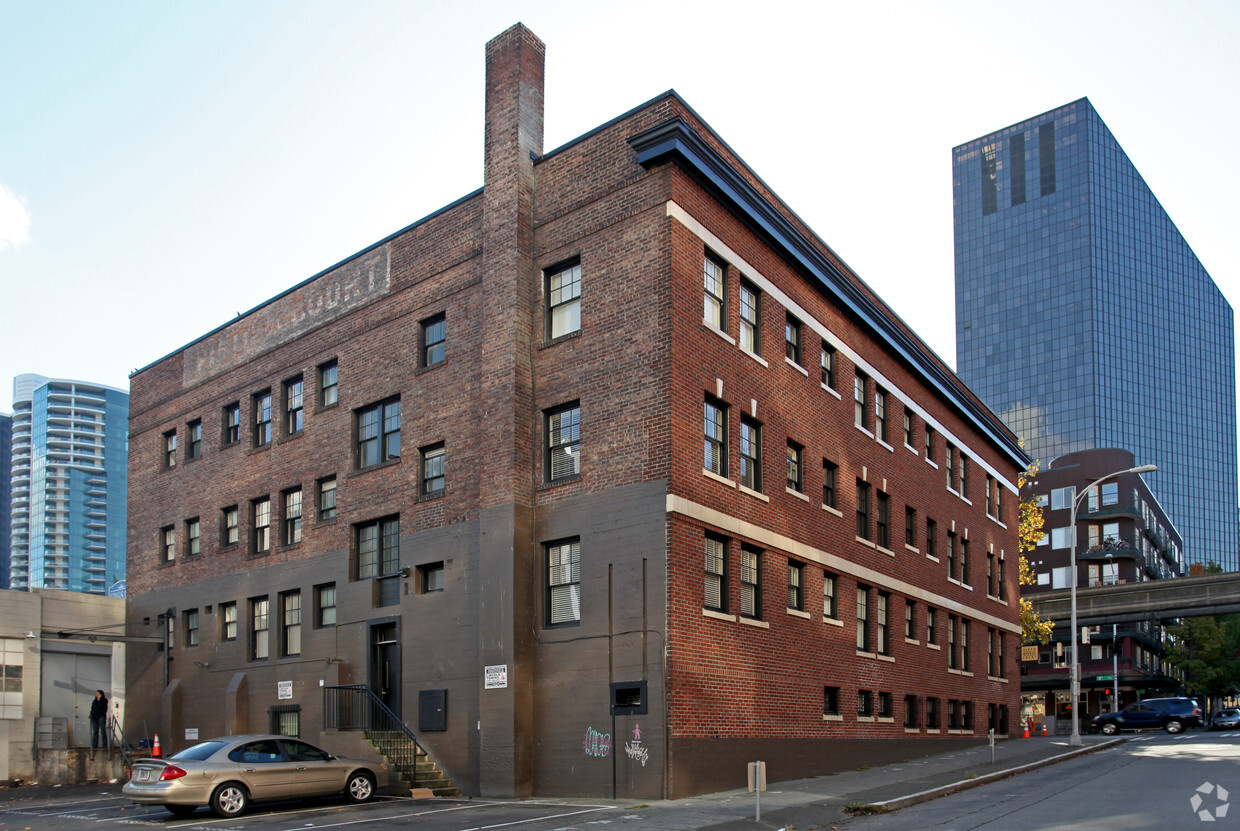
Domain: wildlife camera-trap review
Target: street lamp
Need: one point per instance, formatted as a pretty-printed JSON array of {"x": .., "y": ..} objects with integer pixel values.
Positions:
[{"x": 1075, "y": 672}]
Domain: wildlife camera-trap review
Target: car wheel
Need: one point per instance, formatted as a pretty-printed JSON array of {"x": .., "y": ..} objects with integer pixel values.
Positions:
[
  {"x": 229, "y": 800},
  {"x": 181, "y": 810},
  {"x": 361, "y": 787},
  {"x": 1175, "y": 726},
  {"x": 1110, "y": 728}
]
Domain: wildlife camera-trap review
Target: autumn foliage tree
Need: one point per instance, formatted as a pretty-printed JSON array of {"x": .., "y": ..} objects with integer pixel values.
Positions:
[{"x": 1029, "y": 529}]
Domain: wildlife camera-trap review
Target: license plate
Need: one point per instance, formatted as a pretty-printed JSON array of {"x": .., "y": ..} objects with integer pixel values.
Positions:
[{"x": 144, "y": 775}]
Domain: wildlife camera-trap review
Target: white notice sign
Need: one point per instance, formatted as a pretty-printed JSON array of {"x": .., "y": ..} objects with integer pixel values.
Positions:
[
  {"x": 191, "y": 734},
  {"x": 284, "y": 689},
  {"x": 495, "y": 677}
]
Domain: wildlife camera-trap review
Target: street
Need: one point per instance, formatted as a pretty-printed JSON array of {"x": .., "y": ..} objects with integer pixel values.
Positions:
[{"x": 1153, "y": 780}]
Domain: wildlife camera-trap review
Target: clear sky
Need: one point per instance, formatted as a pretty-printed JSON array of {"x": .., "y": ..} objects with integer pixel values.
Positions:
[{"x": 167, "y": 165}]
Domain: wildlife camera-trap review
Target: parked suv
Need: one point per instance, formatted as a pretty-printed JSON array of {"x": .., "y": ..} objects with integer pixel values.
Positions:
[{"x": 1171, "y": 714}]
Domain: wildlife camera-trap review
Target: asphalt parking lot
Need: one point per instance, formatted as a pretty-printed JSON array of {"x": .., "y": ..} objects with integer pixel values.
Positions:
[{"x": 79, "y": 809}]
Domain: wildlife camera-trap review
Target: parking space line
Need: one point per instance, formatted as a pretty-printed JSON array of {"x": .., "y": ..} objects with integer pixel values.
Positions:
[
  {"x": 57, "y": 805},
  {"x": 476, "y": 828}
]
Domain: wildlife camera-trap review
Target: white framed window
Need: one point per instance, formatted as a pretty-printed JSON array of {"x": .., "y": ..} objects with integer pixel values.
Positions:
[{"x": 564, "y": 301}]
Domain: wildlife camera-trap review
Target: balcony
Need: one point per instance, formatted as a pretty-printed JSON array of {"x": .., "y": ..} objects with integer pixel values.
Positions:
[
  {"x": 1113, "y": 546},
  {"x": 1092, "y": 510}
]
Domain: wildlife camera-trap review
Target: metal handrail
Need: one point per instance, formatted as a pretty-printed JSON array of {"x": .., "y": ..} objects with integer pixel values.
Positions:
[
  {"x": 116, "y": 738},
  {"x": 358, "y": 707}
]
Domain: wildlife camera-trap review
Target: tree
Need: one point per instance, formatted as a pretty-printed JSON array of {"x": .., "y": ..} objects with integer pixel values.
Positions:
[
  {"x": 1029, "y": 531},
  {"x": 1204, "y": 649}
]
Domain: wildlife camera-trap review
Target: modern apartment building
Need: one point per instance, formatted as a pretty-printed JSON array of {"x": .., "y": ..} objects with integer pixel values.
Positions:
[
  {"x": 515, "y": 473},
  {"x": 69, "y": 477},
  {"x": 1084, "y": 319},
  {"x": 6, "y": 468}
]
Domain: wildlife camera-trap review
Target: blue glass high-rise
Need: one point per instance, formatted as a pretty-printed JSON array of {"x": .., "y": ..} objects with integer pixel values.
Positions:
[{"x": 1085, "y": 320}]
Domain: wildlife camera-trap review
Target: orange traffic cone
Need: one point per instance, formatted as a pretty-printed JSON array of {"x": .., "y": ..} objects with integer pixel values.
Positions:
[
  {"x": 1043, "y": 728},
  {"x": 1025, "y": 735},
  {"x": 156, "y": 753}
]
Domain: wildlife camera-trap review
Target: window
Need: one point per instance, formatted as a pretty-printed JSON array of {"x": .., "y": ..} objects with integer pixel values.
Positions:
[
  {"x": 715, "y": 594},
  {"x": 953, "y": 715},
  {"x": 929, "y": 443},
  {"x": 964, "y": 562},
  {"x": 325, "y": 605},
  {"x": 863, "y": 618},
  {"x": 564, "y": 301},
  {"x": 964, "y": 646},
  {"x": 830, "y": 596},
  {"x": 952, "y": 660},
  {"x": 932, "y": 635},
  {"x": 830, "y": 701},
  {"x": 285, "y": 720},
  {"x": 230, "y": 526},
  {"x": 193, "y": 432},
  {"x": 293, "y": 406},
  {"x": 830, "y": 491},
  {"x": 932, "y": 543},
  {"x": 880, "y": 414},
  {"x": 329, "y": 392},
  {"x": 434, "y": 337},
  {"x": 951, "y": 555},
  {"x": 168, "y": 543},
  {"x": 751, "y": 454},
  {"x": 949, "y": 466},
  {"x": 964, "y": 476},
  {"x": 228, "y": 621},
  {"x": 751, "y": 583},
  {"x": 563, "y": 443},
  {"x": 232, "y": 424},
  {"x": 563, "y": 582},
  {"x": 861, "y": 410},
  {"x": 796, "y": 586},
  {"x": 262, "y": 419},
  {"x": 992, "y": 494},
  {"x": 910, "y": 711},
  {"x": 932, "y": 713},
  {"x": 1062, "y": 497},
  {"x": 863, "y": 510},
  {"x": 885, "y": 706},
  {"x": 170, "y": 449},
  {"x": 795, "y": 467},
  {"x": 716, "y": 299},
  {"x": 715, "y": 455},
  {"x": 259, "y": 628},
  {"x": 990, "y": 574},
  {"x": 751, "y": 318},
  {"x": 261, "y": 535},
  {"x": 292, "y": 516},
  {"x": 992, "y": 668},
  {"x": 882, "y": 624},
  {"x": 792, "y": 340},
  {"x": 193, "y": 537},
  {"x": 966, "y": 715},
  {"x": 1000, "y": 579},
  {"x": 1110, "y": 493},
  {"x": 908, "y": 427},
  {"x": 910, "y": 619},
  {"x": 378, "y": 433},
  {"x": 191, "y": 627},
  {"x": 910, "y": 526},
  {"x": 378, "y": 548},
  {"x": 430, "y": 577},
  {"x": 327, "y": 498},
  {"x": 290, "y": 624},
  {"x": 828, "y": 365},
  {"x": 433, "y": 462},
  {"x": 865, "y": 704},
  {"x": 882, "y": 520},
  {"x": 1061, "y": 538}
]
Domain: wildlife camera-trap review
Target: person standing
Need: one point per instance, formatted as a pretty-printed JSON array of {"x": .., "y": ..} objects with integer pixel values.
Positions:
[{"x": 98, "y": 721}]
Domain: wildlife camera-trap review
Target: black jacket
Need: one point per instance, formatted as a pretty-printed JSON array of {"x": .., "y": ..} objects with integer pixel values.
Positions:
[{"x": 98, "y": 709}]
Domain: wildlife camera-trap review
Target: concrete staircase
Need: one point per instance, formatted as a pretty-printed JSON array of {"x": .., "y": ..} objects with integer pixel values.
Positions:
[{"x": 410, "y": 762}]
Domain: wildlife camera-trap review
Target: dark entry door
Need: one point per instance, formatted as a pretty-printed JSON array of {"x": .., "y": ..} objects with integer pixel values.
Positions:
[{"x": 385, "y": 665}]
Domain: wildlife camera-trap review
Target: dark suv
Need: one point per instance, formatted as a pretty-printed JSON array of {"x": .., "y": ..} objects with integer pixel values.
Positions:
[{"x": 1170, "y": 714}]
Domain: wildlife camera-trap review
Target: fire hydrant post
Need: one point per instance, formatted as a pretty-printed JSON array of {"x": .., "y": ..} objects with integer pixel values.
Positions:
[{"x": 757, "y": 784}]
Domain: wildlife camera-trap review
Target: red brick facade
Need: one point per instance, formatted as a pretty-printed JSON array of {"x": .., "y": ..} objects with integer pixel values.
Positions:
[{"x": 638, "y": 219}]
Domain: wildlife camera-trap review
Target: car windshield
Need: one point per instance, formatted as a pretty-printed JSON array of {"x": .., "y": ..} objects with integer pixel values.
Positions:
[{"x": 198, "y": 752}]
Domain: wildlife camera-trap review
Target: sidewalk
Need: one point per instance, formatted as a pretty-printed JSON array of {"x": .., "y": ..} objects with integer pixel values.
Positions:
[{"x": 821, "y": 801}]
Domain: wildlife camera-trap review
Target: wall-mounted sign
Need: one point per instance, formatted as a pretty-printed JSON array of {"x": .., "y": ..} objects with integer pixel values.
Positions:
[
  {"x": 284, "y": 689},
  {"x": 495, "y": 677},
  {"x": 191, "y": 734}
]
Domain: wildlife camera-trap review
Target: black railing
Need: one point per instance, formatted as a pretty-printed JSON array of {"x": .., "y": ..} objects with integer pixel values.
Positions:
[
  {"x": 116, "y": 739},
  {"x": 357, "y": 707}
]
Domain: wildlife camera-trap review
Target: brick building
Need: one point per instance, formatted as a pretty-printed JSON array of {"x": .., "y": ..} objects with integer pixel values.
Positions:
[{"x": 517, "y": 468}]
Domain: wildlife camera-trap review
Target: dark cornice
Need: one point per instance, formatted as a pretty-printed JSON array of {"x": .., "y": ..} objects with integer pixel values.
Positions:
[{"x": 677, "y": 142}]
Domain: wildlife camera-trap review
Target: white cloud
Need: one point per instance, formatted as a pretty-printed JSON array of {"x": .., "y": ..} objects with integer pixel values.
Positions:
[{"x": 14, "y": 220}]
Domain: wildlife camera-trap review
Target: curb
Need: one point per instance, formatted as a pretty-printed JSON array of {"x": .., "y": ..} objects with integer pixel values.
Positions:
[{"x": 964, "y": 785}]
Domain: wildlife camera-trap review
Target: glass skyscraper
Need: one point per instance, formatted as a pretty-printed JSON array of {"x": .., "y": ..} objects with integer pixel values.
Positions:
[
  {"x": 1085, "y": 321},
  {"x": 70, "y": 469},
  {"x": 6, "y": 465}
]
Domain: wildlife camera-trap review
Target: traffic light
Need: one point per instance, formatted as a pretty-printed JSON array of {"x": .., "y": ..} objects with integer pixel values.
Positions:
[{"x": 1107, "y": 691}]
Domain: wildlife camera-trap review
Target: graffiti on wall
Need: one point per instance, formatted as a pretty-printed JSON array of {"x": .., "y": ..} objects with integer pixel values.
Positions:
[
  {"x": 596, "y": 743},
  {"x": 634, "y": 749}
]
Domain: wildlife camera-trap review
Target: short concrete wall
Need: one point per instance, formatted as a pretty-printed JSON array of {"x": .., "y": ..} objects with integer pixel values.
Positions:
[{"x": 75, "y": 766}]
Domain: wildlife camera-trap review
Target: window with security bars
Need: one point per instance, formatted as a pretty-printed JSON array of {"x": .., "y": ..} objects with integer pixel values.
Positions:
[
  {"x": 285, "y": 719},
  {"x": 751, "y": 583},
  {"x": 751, "y": 454},
  {"x": 751, "y": 319},
  {"x": 563, "y": 582},
  {"x": 865, "y": 704},
  {"x": 564, "y": 301},
  {"x": 715, "y": 299},
  {"x": 378, "y": 433},
  {"x": 715, "y": 590},
  {"x": 796, "y": 586},
  {"x": 377, "y": 548},
  {"x": 715, "y": 424},
  {"x": 563, "y": 443}
]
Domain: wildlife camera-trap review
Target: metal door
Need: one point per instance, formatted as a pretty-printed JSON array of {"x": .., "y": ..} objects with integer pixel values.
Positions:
[
  {"x": 69, "y": 684},
  {"x": 385, "y": 665}
]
